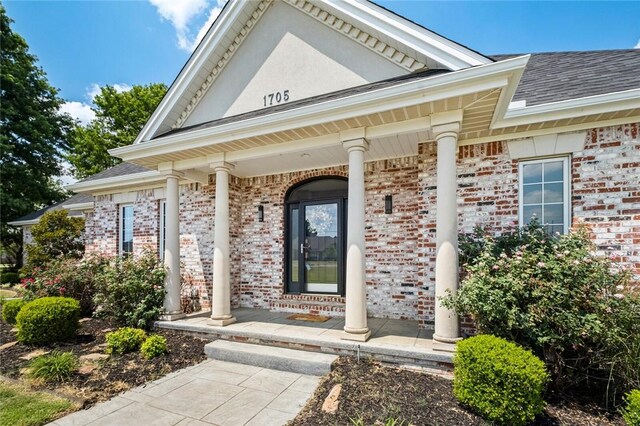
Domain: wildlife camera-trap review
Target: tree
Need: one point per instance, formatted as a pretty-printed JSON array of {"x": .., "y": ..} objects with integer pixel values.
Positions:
[
  {"x": 119, "y": 118},
  {"x": 32, "y": 135},
  {"x": 55, "y": 235}
]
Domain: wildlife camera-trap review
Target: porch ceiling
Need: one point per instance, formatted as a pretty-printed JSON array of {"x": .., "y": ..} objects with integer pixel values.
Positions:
[{"x": 387, "y": 141}]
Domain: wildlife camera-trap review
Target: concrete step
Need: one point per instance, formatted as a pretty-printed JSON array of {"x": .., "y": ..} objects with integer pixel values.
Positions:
[{"x": 272, "y": 357}]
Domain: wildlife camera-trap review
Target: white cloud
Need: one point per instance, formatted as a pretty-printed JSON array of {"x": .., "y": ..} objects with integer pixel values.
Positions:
[
  {"x": 121, "y": 87},
  {"x": 94, "y": 89},
  {"x": 181, "y": 14},
  {"x": 637, "y": 46},
  {"x": 79, "y": 111}
]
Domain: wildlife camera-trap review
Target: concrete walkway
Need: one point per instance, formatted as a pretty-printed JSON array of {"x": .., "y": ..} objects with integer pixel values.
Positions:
[{"x": 210, "y": 393}]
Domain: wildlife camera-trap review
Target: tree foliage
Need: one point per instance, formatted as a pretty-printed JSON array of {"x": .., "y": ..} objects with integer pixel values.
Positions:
[
  {"x": 32, "y": 135},
  {"x": 119, "y": 118},
  {"x": 56, "y": 235}
]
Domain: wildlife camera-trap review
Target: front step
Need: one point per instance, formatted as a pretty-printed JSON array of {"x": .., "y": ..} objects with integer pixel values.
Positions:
[{"x": 276, "y": 358}]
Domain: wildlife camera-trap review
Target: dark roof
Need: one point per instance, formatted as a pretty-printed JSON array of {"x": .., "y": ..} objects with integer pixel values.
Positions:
[
  {"x": 558, "y": 76},
  {"x": 76, "y": 199},
  {"x": 309, "y": 101},
  {"x": 121, "y": 169}
]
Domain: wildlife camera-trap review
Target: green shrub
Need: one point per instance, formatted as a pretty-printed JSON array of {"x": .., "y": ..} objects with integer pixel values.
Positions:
[
  {"x": 10, "y": 309},
  {"x": 48, "y": 320},
  {"x": 631, "y": 410},
  {"x": 130, "y": 290},
  {"x": 500, "y": 380},
  {"x": 55, "y": 367},
  {"x": 9, "y": 278},
  {"x": 66, "y": 277},
  {"x": 154, "y": 346},
  {"x": 125, "y": 340},
  {"x": 553, "y": 295}
]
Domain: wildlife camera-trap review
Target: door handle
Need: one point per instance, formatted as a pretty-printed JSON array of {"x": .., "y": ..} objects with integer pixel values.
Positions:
[{"x": 303, "y": 248}]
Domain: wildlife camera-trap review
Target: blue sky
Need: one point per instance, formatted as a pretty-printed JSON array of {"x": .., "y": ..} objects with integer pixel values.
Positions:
[{"x": 81, "y": 44}]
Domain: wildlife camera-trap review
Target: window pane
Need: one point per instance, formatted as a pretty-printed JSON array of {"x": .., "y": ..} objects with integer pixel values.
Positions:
[
  {"x": 555, "y": 229},
  {"x": 532, "y": 173},
  {"x": 532, "y": 194},
  {"x": 553, "y": 171},
  {"x": 295, "y": 245},
  {"x": 553, "y": 214},
  {"x": 127, "y": 229},
  {"x": 529, "y": 212},
  {"x": 553, "y": 193}
]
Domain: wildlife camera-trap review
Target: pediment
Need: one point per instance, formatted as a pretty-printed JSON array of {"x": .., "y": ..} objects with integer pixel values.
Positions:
[{"x": 260, "y": 54}]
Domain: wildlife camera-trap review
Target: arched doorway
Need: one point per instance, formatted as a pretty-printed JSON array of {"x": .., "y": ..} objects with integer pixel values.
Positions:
[{"x": 315, "y": 236}]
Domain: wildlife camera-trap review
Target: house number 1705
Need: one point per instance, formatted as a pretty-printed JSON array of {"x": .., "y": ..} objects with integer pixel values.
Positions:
[{"x": 275, "y": 98}]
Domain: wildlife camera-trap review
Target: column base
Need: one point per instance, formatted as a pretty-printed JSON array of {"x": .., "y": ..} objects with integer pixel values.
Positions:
[
  {"x": 221, "y": 321},
  {"x": 357, "y": 335},
  {"x": 173, "y": 316},
  {"x": 445, "y": 344}
]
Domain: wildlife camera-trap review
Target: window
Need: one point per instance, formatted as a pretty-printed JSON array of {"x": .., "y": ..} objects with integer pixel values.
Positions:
[
  {"x": 163, "y": 227},
  {"x": 126, "y": 230},
  {"x": 544, "y": 193}
]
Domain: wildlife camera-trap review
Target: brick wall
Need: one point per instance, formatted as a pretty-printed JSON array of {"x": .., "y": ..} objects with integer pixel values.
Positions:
[{"x": 401, "y": 245}]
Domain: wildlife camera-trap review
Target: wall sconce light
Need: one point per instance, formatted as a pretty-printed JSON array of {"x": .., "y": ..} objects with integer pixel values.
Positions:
[
  {"x": 260, "y": 213},
  {"x": 388, "y": 204}
]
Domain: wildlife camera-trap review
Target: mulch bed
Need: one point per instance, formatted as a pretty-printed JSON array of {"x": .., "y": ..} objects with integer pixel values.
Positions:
[
  {"x": 374, "y": 393},
  {"x": 111, "y": 376}
]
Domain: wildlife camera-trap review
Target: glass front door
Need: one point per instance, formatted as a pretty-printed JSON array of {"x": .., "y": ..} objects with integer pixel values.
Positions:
[{"x": 315, "y": 247}]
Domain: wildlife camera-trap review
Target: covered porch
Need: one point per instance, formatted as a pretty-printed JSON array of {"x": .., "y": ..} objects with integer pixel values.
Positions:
[{"x": 391, "y": 340}]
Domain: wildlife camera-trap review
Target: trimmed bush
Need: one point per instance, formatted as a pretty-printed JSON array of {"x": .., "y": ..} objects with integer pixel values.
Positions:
[
  {"x": 10, "y": 309},
  {"x": 498, "y": 379},
  {"x": 125, "y": 340},
  {"x": 9, "y": 278},
  {"x": 55, "y": 367},
  {"x": 154, "y": 346},
  {"x": 631, "y": 410},
  {"x": 48, "y": 320}
]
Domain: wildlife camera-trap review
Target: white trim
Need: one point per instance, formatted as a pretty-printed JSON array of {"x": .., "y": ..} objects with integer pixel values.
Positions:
[
  {"x": 117, "y": 181},
  {"x": 566, "y": 189},
  {"x": 485, "y": 77},
  {"x": 24, "y": 222},
  {"x": 121, "y": 208},
  {"x": 80, "y": 206}
]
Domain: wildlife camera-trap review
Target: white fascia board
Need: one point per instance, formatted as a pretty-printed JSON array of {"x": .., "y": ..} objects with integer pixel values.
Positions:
[
  {"x": 197, "y": 60},
  {"x": 598, "y": 104},
  {"x": 452, "y": 55},
  {"x": 484, "y": 77},
  {"x": 80, "y": 206},
  {"x": 117, "y": 182},
  {"x": 24, "y": 222}
]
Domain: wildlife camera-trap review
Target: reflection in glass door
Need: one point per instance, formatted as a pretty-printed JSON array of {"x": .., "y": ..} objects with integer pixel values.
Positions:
[{"x": 320, "y": 248}]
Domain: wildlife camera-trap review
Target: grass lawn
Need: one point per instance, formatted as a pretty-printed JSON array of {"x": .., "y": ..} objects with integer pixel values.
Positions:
[{"x": 20, "y": 407}]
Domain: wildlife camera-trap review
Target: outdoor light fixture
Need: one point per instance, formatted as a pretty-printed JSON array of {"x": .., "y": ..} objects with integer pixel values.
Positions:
[
  {"x": 260, "y": 213},
  {"x": 388, "y": 204}
]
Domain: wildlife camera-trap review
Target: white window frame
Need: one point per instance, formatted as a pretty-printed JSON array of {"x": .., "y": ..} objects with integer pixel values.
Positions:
[
  {"x": 162, "y": 232},
  {"x": 121, "y": 208},
  {"x": 566, "y": 199}
]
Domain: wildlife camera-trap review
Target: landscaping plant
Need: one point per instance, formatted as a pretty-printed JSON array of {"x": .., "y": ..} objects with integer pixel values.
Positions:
[
  {"x": 130, "y": 290},
  {"x": 552, "y": 294},
  {"x": 125, "y": 340},
  {"x": 9, "y": 277},
  {"x": 66, "y": 277},
  {"x": 10, "y": 309},
  {"x": 500, "y": 380},
  {"x": 154, "y": 346},
  {"x": 631, "y": 410},
  {"x": 55, "y": 367},
  {"x": 48, "y": 320}
]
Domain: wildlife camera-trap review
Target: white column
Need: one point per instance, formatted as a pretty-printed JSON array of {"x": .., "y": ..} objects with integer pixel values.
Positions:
[
  {"x": 446, "y": 321},
  {"x": 172, "y": 306},
  {"x": 356, "y": 292},
  {"x": 221, "y": 310}
]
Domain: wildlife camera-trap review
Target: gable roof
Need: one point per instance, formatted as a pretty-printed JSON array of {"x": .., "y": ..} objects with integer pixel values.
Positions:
[
  {"x": 34, "y": 216},
  {"x": 399, "y": 38},
  {"x": 558, "y": 76},
  {"x": 121, "y": 169}
]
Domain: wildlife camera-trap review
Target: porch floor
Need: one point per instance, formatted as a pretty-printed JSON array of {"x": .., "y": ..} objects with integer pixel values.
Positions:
[{"x": 391, "y": 340}]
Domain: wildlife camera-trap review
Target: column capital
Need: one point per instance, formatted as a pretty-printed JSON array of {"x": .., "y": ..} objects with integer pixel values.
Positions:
[
  {"x": 222, "y": 165},
  {"x": 444, "y": 130},
  {"x": 171, "y": 174},
  {"x": 360, "y": 144}
]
